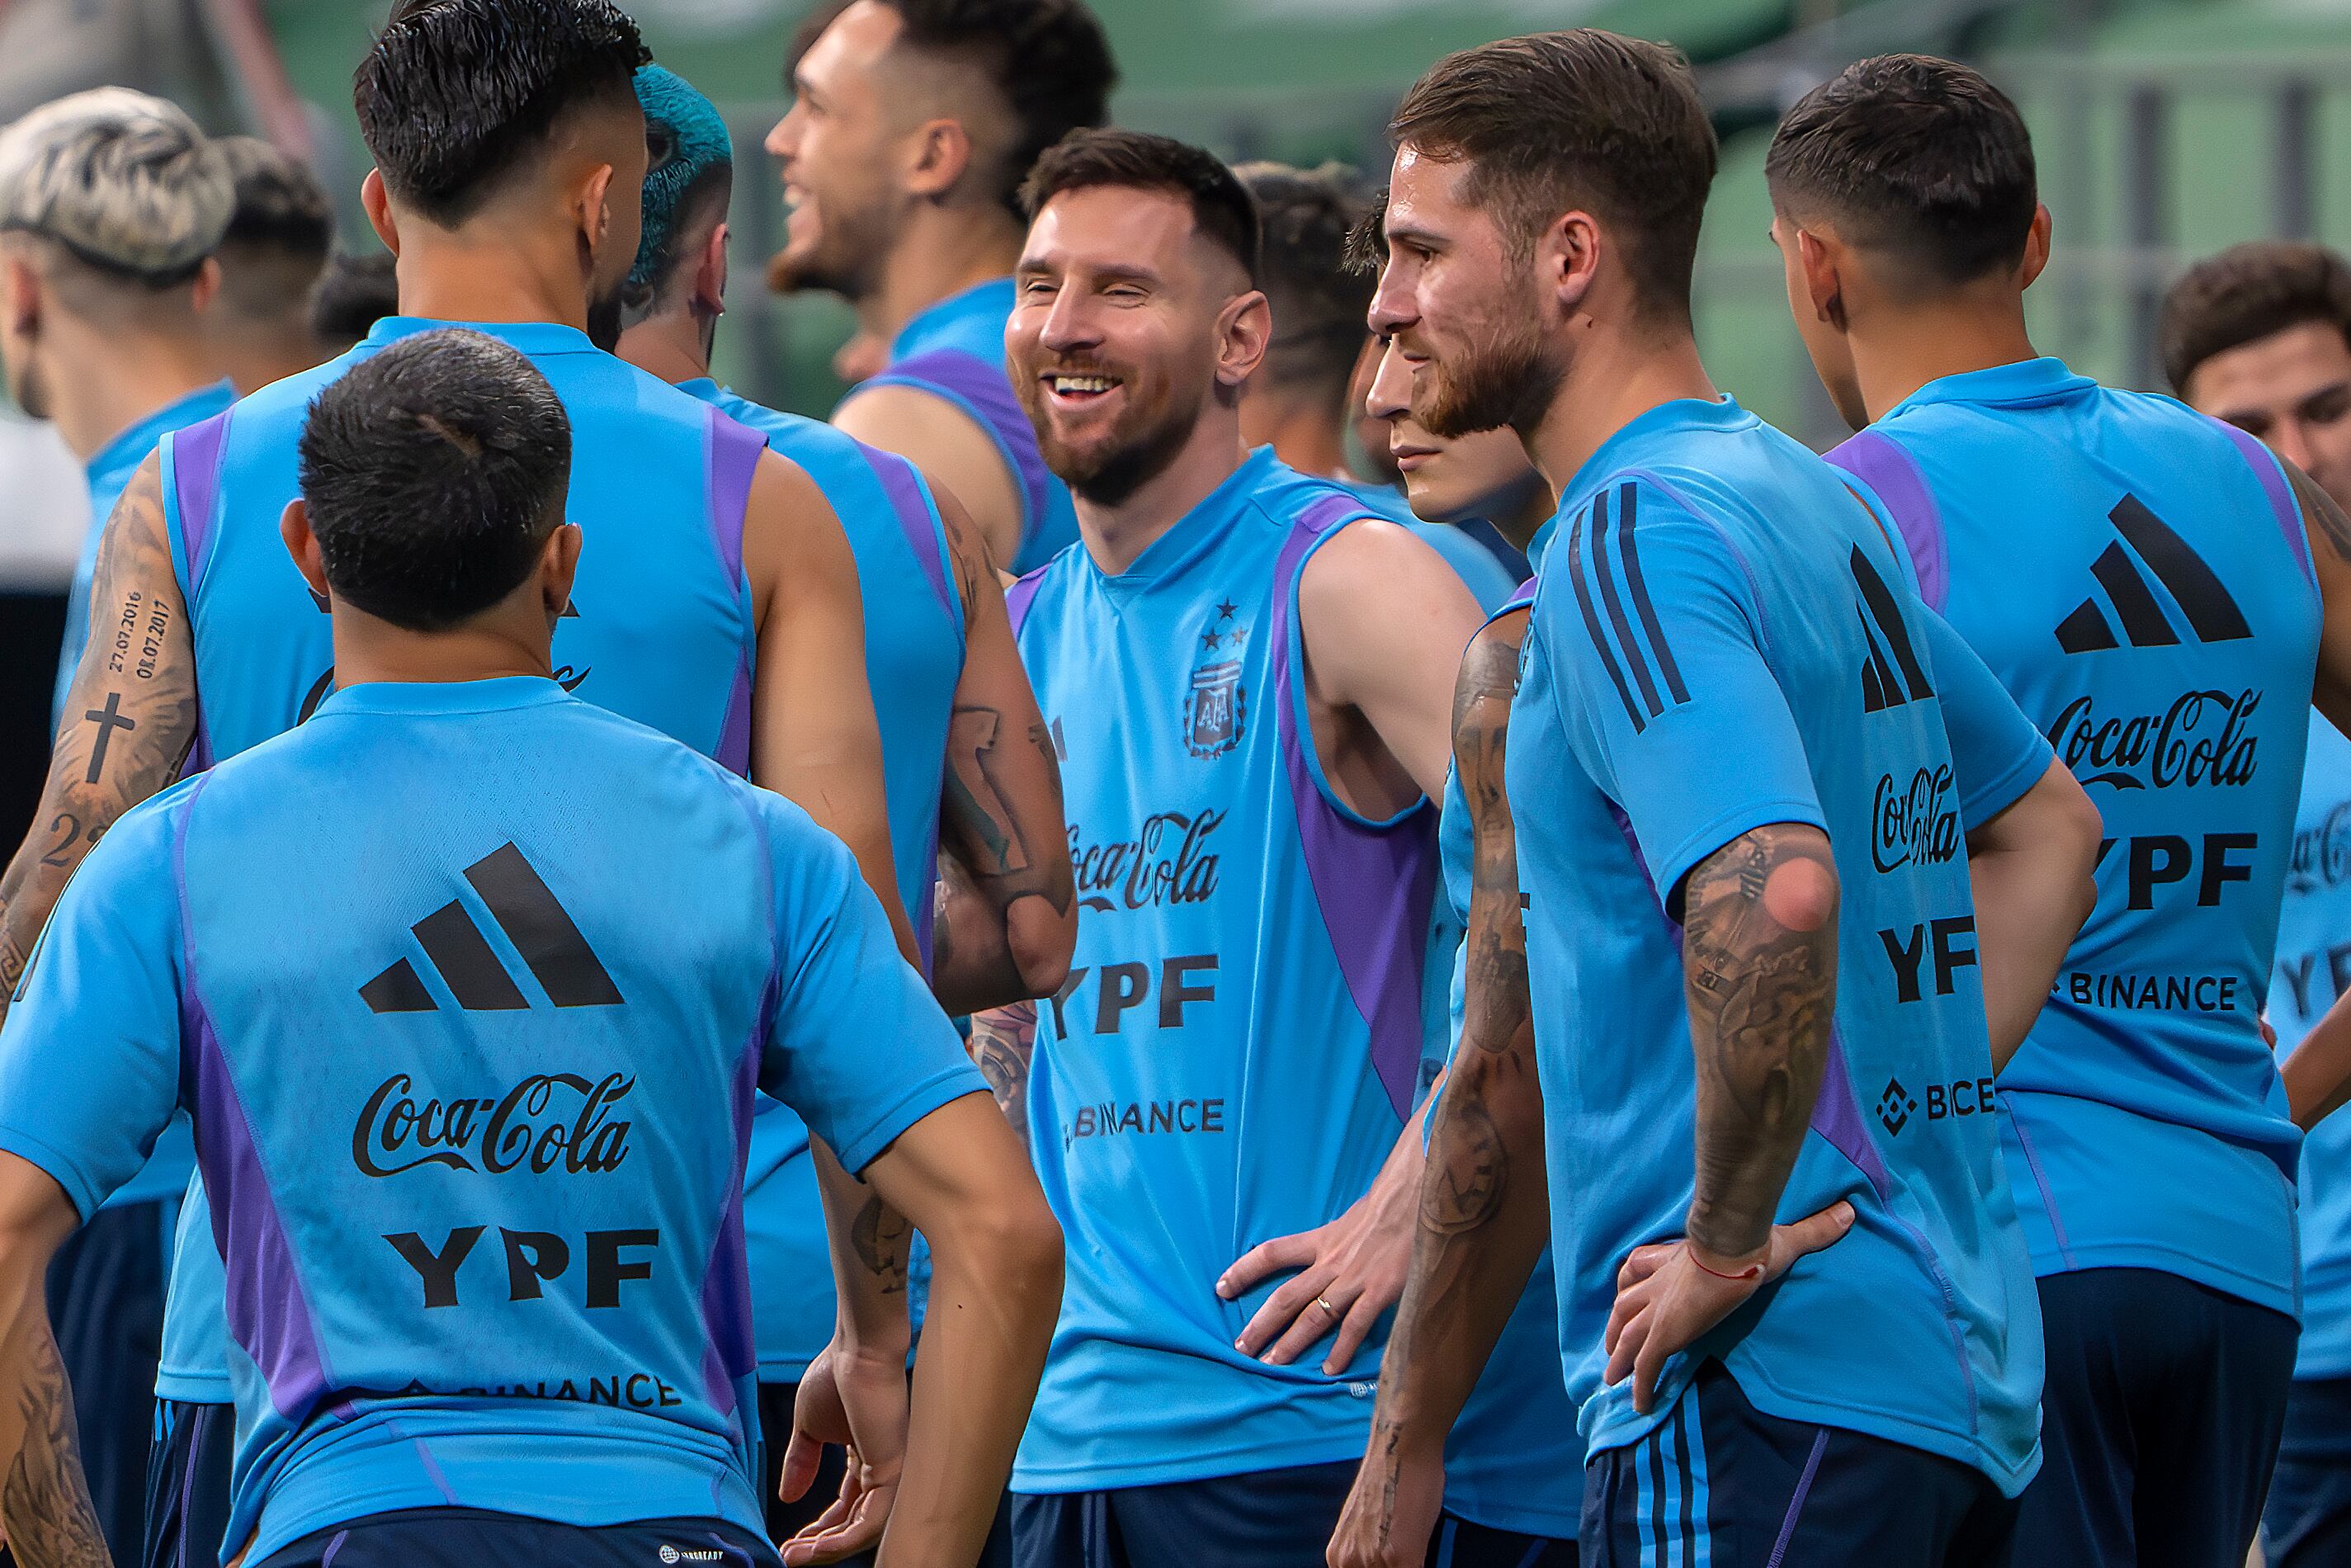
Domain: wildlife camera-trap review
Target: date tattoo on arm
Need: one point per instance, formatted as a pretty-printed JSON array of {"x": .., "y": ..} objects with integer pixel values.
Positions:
[
  {"x": 129, "y": 717},
  {"x": 1759, "y": 962}
]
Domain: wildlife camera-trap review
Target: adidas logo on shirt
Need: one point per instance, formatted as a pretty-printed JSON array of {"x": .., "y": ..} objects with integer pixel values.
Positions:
[
  {"x": 2212, "y": 616},
  {"x": 542, "y": 932},
  {"x": 1891, "y": 675}
]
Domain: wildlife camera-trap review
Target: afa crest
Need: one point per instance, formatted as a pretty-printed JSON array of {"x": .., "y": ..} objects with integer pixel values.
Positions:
[{"x": 1214, "y": 709}]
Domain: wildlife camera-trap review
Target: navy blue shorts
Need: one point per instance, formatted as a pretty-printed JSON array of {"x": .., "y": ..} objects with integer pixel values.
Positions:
[
  {"x": 1271, "y": 1519},
  {"x": 106, "y": 1303},
  {"x": 475, "y": 1538},
  {"x": 2158, "y": 1424},
  {"x": 1458, "y": 1544},
  {"x": 187, "y": 1484},
  {"x": 786, "y": 1520},
  {"x": 2308, "y": 1521},
  {"x": 1721, "y": 1482}
]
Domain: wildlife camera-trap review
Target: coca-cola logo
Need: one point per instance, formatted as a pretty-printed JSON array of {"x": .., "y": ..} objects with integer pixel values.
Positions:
[
  {"x": 550, "y": 1119},
  {"x": 2321, "y": 855},
  {"x": 1914, "y": 823},
  {"x": 1167, "y": 863},
  {"x": 2202, "y": 739}
]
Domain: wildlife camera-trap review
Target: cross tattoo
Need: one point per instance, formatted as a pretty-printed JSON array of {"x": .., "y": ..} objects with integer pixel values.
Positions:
[{"x": 108, "y": 719}]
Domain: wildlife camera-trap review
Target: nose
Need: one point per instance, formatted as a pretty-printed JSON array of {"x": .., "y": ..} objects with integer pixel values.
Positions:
[
  {"x": 1390, "y": 396},
  {"x": 784, "y": 136},
  {"x": 2292, "y": 440},
  {"x": 1392, "y": 303},
  {"x": 1068, "y": 324}
]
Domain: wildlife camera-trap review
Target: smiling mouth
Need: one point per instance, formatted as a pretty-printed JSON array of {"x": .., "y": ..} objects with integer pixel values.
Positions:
[{"x": 1079, "y": 388}]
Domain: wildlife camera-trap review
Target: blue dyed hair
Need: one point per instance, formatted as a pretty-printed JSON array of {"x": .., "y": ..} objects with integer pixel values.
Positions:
[{"x": 688, "y": 148}]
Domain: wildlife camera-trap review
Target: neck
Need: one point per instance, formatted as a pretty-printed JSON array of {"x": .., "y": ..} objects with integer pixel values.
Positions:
[
  {"x": 1116, "y": 536},
  {"x": 672, "y": 346},
  {"x": 254, "y": 354},
  {"x": 1302, "y": 431},
  {"x": 463, "y": 275},
  {"x": 1617, "y": 374},
  {"x": 1897, "y": 350},
  {"x": 103, "y": 381},
  {"x": 1519, "y": 511},
  {"x": 483, "y": 649},
  {"x": 943, "y": 251}
]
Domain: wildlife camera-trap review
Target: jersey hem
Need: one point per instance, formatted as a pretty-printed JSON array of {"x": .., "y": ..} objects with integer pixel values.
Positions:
[
  {"x": 1725, "y": 827},
  {"x": 182, "y": 1389},
  {"x": 2012, "y": 785},
  {"x": 2249, "y": 1288},
  {"x": 1061, "y": 1481},
  {"x": 884, "y": 1128},
  {"x": 1564, "y": 1526},
  {"x": 57, "y": 1167}
]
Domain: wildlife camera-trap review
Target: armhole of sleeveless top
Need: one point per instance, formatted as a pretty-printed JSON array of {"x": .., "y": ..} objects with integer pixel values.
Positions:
[
  {"x": 2287, "y": 512},
  {"x": 1021, "y": 594},
  {"x": 189, "y": 468},
  {"x": 731, "y": 453},
  {"x": 916, "y": 510},
  {"x": 1890, "y": 473},
  {"x": 982, "y": 394}
]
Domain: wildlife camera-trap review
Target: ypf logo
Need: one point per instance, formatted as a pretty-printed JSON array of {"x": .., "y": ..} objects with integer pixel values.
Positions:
[{"x": 1895, "y": 1107}]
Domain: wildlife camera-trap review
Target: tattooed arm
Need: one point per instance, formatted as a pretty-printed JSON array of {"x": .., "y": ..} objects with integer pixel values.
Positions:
[
  {"x": 1484, "y": 1209},
  {"x": 44, "y": 1500},
  {"x": 1002, "y": 1044},
  {"x": 129, "y": 717},
  {"x": 1007, "y": 913}
]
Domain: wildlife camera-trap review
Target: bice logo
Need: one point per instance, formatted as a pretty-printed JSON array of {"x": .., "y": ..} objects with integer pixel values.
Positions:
[
  {"x": 1916, "y": 823},
  {"x": 2211, "y": 615},
  {"x": 1215, "y": 707},
  {"x": 1895, "y": 1106},
  {"x": 526, "y": 909},
  {"x": 1891, "y": 675}
]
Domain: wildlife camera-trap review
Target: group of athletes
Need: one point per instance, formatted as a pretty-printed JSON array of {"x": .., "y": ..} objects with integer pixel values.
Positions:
[{"x": 1633, "y": 991}]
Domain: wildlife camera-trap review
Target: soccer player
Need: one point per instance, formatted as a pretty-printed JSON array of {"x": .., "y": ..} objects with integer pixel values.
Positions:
[
  {"x": 2260, "y": 336},
  {"x": 720, "y": 606},
  {"x": 272, "y": 255},
  {"x": 1246, "y": 679},
  {"x": 910, "y": 126},
  {"x": 351, "y": 296},
  {"x": 112, "y": 203},
  {"x": 1736, "y": 716},
  {"x": 2142, "y": 580},
  {"x": 482, "y": 1224},
  {"x": 1297, "y": 402},
  {"x": 953, "y": 700}
]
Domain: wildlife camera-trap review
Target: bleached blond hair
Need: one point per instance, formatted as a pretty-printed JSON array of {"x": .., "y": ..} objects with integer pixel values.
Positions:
[{"x": 122, "y": 182}]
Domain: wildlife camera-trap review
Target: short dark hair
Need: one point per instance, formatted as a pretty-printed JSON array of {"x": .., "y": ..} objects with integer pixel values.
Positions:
[
  {"x": 1222, "y": 209},
  {"x": 351, "y": 296},
  {"x": 456, "y": 93},
  {"x": 1551, "y": 121},
  {"x": 280, "y": 205},
  {"x": 1049, "y": 61},
  {"x": 1916, "y": 156},
  {"x": 2248, "y": 292},
  {"x": 1306, "y": 218},
  {"x": 434, "y": 471}
]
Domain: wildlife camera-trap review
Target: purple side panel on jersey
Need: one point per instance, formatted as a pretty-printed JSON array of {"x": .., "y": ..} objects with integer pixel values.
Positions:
[
  {"x": 1020, "y": 595},
  {"x": 986, "y": 391},
  {"x": 195, "y": 474},
  {"x": 268, "y": 1313},
  {"x": 1836, "y": 1117},
  {"x": 1880, "y": 463},
  {"x": 1380, "y": 940},
  {"x": 732, "y": 456},
  {"x": 2281, "y": 495},
  {"x": 734, "y": 752},
  {"x": 726, "y": 1349},
  {"x": 906, "y": 493}
]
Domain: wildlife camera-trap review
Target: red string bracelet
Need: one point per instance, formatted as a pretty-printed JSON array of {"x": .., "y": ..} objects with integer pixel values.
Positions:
[{"x": 1752, "y": 1271}]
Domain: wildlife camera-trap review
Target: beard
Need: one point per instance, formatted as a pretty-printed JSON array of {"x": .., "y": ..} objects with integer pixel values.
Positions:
[
  {"x": 1505, "y": 381},
  {"x": 846, "y": 258},
  {"x": 1138, "y": 447}
]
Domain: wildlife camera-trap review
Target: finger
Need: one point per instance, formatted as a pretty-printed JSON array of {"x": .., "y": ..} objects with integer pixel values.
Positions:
[
  {"x": 1626, "y": 1307},
  {"x": 1627, "y": 1350},
  {"x": 802, "y": 1456},
  {"x": 1810, "y": 1234},
  {"x": 1644, "y": 1261},
  {"x": 1353, "y": 1330},
  {"x": 1646, "y": 1367},
  {"x": 1313, "y": 1324},
  {"x": 858, "y": 1529},
  {"x": 1294, "y": 1297},
  {"x": 1265, "y": 1259}
]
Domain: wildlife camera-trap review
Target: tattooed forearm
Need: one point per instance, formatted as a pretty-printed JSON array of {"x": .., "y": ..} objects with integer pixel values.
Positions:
[
  {"x": 1758, "y": 960},
  {"x": 883, "y": 1239},
  {"x": 1468, "y": 1173},
  {"x": 45, "y": 1502},
  {"x": 1495, "y": 1004},
  {"x": 976, "y": 800},
  {"x": 129, "y": 717},
  {"x": 1003, "y": 1043}
]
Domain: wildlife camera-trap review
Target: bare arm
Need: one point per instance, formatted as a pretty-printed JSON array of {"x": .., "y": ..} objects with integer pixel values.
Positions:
[
  {"x": 44, "y": 1496},
  {"x": 2031, "y": 870},
  {"x": 1007, "y": 924},
  {"x": 945, "y": 444},
  {"x": 129, "y": 717},
  {"x": 1484, "y": 1208}
]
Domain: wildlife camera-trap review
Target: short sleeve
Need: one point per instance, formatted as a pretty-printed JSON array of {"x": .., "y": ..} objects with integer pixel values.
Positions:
[
  {"x": 1996, "y": 754},
  {"x": 855, "y": 1043},
  {"x": 90, "y": 1056},
  {"x": 1656, "y": 637}
]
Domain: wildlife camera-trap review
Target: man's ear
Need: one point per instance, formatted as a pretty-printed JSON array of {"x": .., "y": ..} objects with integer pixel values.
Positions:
[
  {"x": 558, "y": 564},
  {"x": 294, "y": 528},
  {"x": 1244, "y": 331},
  {"x": 2036, "y": 245},
  {"x": 23, "y": 296},
  {"x": 1822, "y": 262},
  {"x": 378, "y": 203},
  {"x": 207, "y": 284},
  {"x": 1568, "y": 258},
  {"x": 710, "y": 274},
  {"x": 941, "y": 152},
  {"x": 593, "y": 208}
]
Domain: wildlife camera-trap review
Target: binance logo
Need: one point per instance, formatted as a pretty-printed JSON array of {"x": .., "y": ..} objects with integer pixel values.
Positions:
[{"x": 1895, "y": 1106}]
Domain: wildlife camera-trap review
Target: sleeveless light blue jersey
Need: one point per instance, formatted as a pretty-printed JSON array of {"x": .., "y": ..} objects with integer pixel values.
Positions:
[
  {"x": 659, "y": 627},
  {"x": 1487, "y": 579},
  {"x": 955, "y": 350},
  {"x": 1514, "y": 1460},
  {"x": 1241, "y": 1036},
  {"x": 2137, "y": 575},
  {"x": 2313, "y": 967},
  {"x": 1725, "y": 637},
  {"x": 474, "y": 1146},
  {"x": 914, "y": 657}
]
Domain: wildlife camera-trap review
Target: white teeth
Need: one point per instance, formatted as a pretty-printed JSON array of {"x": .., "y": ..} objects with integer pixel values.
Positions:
[{"x": 1083, "y": 383}]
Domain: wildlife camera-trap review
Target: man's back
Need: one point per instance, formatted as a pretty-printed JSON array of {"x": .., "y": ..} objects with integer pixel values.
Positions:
[
  {"x": 2150, "y": 603},
  {"x": 474, "y": 1146},
  {"x": 1725, "y": 639}
]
